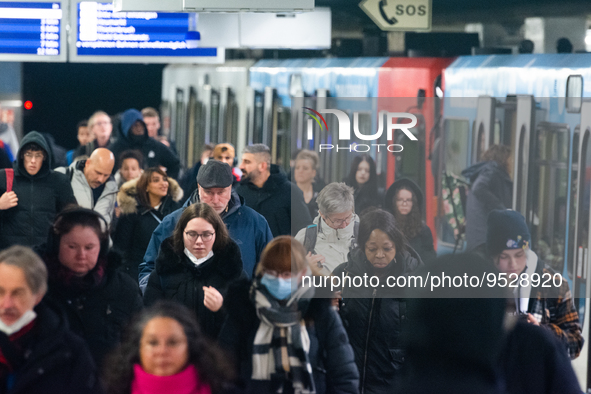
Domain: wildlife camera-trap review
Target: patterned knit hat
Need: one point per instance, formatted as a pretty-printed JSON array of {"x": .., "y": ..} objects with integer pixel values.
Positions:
[{"x": 506, "y": 229}]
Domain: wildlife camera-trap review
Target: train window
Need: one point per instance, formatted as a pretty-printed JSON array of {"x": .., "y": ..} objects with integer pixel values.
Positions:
[
  {"x": 283, "y": 141},
  {"x": 550, "y": 186},
  {"x": 581, "y": 250},
  {"x": 259, "y": 111},
  {"x": 215, "y": 136},
  {"x": 178, "y": 118},
  {"x": 411, "y": 162},
  {"x": 456, "y": 145},
  {"x": 518, "y": 157},
  {"x": 574, "y": 93},
  {"x": 481, "y": 144},
  {"x": 165, "y": 110},
  {"x": 190, "y": 142},
  {"x": 572, "y": 218},
  {"x": 296, "y": 88},
  {"x": 229, "y": 124},
  {"x": 496, "y": 137}
]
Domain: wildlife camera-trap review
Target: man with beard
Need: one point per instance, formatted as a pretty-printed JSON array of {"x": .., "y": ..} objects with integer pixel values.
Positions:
[{"x": 265, "y": 189}]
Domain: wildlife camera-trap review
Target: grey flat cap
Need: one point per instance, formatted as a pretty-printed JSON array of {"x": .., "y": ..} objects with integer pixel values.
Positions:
[{"x": 215, "y": 174}]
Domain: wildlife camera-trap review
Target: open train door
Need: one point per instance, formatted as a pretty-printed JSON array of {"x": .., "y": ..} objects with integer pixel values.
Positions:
[{"x": 582, "y": 239}]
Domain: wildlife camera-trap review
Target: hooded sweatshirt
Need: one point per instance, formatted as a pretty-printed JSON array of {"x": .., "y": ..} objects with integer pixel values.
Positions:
[
  {"x": 155, "y": 153},
  {"x": 40, "y": 197}
]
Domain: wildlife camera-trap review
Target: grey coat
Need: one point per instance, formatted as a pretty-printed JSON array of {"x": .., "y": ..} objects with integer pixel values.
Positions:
[
  {"x": 105, "y": 205},
  {"x": 491, "y": 189}
]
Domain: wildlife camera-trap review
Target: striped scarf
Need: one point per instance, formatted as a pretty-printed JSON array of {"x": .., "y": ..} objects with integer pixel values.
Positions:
[{"x": 281, "y": 343}]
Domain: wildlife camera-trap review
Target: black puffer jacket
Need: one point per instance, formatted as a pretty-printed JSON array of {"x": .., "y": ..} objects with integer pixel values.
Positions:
[
  {"x": 330, "y": 355},
  {"x": 177, "y": 278},
  {"x": 97, "y": 312},
  {"x": 422, "y": 243},
  {"x": 374, "y": 324},
  {"x": 279, "y": 201},
  {"x": 491, "y": 189},
  {"x": 137, "y": 223},
  {"x": 40, "y": 198},
  {"x": 57, "y": 361}
]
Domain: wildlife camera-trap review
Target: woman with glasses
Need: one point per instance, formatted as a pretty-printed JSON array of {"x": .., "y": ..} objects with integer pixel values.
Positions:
[
  {"x": 195, "y": 266},
  {"x": 283, "y": 340},
  {"x": 404, "y": 200},
  {"x": 334, "y": 230},
  {"x": 363, "y": 179}
]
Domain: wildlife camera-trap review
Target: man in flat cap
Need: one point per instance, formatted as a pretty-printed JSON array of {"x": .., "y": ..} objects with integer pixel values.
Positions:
[{"x": 214, "y": 188}]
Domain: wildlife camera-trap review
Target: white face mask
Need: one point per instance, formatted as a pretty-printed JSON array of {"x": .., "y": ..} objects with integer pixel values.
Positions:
[{"x": 25, "y": 319}]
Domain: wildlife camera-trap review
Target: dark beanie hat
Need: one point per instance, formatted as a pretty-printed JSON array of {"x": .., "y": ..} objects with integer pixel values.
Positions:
[
  {"x": 506, "y": 229},
  {"x": 215, "y": 174}
]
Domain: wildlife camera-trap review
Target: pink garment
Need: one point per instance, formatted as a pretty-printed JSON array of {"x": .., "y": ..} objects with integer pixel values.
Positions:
[{"x": 184, "y": 382}]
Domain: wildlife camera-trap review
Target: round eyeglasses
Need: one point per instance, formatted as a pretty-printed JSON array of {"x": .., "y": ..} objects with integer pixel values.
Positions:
[{"x": 193, "y": 236}]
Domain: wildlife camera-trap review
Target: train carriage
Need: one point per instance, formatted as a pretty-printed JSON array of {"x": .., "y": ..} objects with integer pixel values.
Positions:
[{"x": 537, "y": 105}]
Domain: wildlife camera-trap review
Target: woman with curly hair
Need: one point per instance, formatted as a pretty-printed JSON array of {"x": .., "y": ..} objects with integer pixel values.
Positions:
[
  {"x": 404, "y": 200},
  {"x": 144, "y": 202},
  {"x": 164, "y": 351}
]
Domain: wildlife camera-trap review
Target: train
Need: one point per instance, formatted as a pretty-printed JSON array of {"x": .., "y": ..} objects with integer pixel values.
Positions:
[{"x": 538, "y": 104}]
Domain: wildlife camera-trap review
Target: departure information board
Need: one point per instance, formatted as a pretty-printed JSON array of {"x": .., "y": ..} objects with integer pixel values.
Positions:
[
  {"x": 103, "y": 35},
  {"x": 32, "y": 31}
]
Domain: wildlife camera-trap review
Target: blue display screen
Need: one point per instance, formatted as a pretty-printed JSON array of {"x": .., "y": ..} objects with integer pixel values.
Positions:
[
  {"x": 102, "y": 32},
  {"x": 30, "y": 28}
]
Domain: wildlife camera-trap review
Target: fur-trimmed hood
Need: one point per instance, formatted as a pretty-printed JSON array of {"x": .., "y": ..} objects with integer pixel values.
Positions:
[{"x": 126, "y": 198}]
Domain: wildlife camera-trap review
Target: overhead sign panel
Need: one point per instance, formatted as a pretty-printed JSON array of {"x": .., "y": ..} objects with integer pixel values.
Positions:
[
  {"x": 103, "y": 35},
  {"x": 307, "y": 30},
  {"x": 399, "y": 15},
  {"x": 215, "y": 5},
  {"x": 32, "y": 31}
]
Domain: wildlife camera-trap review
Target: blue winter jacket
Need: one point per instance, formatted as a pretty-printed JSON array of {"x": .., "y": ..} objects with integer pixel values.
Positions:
[{"x": 246, "y": 227}]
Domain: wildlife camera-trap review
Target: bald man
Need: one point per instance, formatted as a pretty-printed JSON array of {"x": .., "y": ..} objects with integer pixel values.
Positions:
[{"x": 93, "y": 185}]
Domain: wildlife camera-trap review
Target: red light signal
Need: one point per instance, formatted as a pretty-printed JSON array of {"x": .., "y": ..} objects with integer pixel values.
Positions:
[{"x": 28, "y": 104}]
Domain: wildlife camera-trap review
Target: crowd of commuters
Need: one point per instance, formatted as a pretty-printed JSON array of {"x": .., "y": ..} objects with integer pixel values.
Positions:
[{"x": 116, "y": 278}]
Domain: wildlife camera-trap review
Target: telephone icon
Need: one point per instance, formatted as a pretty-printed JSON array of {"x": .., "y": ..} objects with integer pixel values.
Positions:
[{"x": 391, "y": 20}]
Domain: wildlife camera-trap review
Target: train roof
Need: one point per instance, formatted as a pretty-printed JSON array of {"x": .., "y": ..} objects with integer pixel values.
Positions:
[
  {"x": 542, "y": 75},
  {"x": 342, "y": 77}
]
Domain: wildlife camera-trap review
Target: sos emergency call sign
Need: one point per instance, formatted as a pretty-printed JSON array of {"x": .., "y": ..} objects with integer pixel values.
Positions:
[{"x": 399, "y": 15}]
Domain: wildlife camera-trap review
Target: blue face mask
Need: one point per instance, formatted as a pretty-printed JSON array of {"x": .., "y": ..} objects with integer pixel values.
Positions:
[{"x": 278, "y": 287}]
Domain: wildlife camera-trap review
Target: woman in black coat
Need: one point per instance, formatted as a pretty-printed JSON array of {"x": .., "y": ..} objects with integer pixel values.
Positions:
[
  {"x": 98, "y": 299},
  {"x": 195, "y": 266},
  {"x": 363, "y": 179},
  {"x": 404, "y": 200},
  {"x": 144, "y": 202},
  {"x": 372, "y": 315},
  {"x": 266, "y": 307}
]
